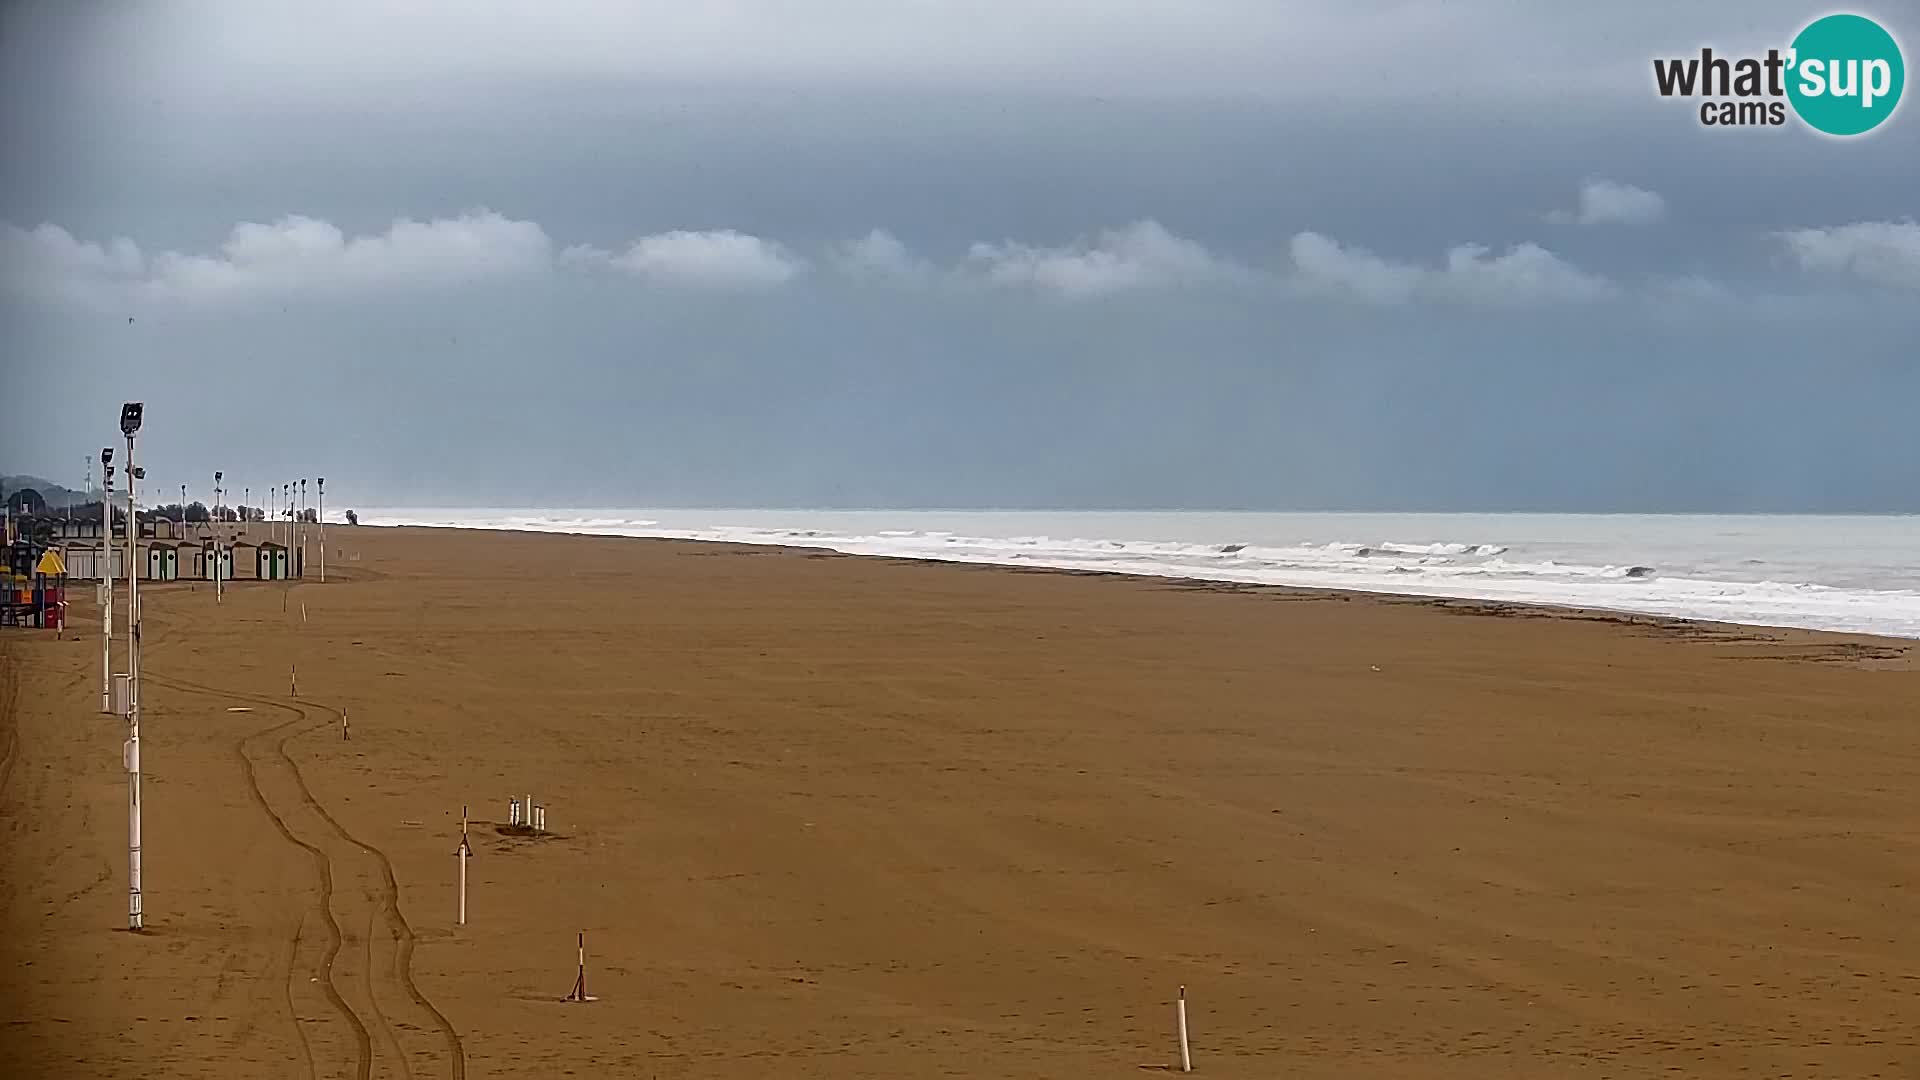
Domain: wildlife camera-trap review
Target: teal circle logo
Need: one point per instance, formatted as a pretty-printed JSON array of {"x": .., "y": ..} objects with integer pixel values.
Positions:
[{"x": 1846, "y": 75}]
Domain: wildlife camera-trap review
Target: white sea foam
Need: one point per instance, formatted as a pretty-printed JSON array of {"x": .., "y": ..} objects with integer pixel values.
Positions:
[{"x": 1709, "y": 572}]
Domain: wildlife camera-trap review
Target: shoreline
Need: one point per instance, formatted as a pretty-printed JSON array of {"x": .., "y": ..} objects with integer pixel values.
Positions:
[{"x": 1906, "y": 647}]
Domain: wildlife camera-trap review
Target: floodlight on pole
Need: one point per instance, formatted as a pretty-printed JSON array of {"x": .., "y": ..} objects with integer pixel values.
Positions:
[
  {"x": 130, "y": 418},
  {"x": 322, "y": 482}
]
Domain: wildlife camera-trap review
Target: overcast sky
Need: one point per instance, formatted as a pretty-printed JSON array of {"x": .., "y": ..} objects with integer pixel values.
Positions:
[{"x": 1339, "y": 254}]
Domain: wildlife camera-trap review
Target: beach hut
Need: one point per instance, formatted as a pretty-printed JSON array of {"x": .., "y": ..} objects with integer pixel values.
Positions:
[
  {"x": 244, "y": 556},
  {"x": 163, "y": 561},
  {"x": 84, "y": 561},
  {"x": 208, "y": 554},
  {"x": 271, "y": 562}
]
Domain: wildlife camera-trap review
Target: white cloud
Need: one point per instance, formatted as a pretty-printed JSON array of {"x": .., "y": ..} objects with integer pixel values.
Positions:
[
  {"x": 880, "y": 256},
  {"x": 1606, "y": 202},
  {"x": 47, "y": 262},
  {"x": 1524, "y": 274},
  {"x": 1140, "y": 256},
  {"x": 1883, "y": 252},
  {"x": 304, "y": 255},
  {"x": 292, "y": 255},
  {"x": 717, "y": 259},
  {"x": 1323, "y": 264}
]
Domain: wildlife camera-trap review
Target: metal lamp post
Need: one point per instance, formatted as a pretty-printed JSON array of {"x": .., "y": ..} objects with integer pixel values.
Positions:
[
  {"x": 130, "y": 417},
  {"x": 106, "y": 579},
  {"x": 322, "y": 482},
  {"x": 213, "y": 523}
]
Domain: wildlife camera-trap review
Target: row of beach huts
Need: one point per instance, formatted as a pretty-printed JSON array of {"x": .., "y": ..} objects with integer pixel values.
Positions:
[{"x": 168, "y": 552}]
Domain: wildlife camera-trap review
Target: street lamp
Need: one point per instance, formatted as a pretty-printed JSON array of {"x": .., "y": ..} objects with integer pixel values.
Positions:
[
  {"x": 323, "y": 529},
  {"x": 213, "y": 527},
  {"x": 130, "y": 416}
]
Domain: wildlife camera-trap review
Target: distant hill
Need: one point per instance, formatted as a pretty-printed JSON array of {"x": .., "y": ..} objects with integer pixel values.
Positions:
[{"x": 56, "y": 497}]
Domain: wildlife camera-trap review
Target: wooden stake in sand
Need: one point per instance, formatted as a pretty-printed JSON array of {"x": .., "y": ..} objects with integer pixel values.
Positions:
[
  {"x": 1186, "y": 1058},
  {"x": 465, "y": 851},
  {"x": 579, "y": 991},
  {"x": 346, "y": 734},
  {"x": 293, "y": 680}
]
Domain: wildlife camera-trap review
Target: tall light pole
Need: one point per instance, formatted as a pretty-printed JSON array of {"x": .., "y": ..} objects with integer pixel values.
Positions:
[
  {"x": 323, "y": 529},
  {"x": 130, "y": 416},
  {"x": 303, "y": 532},
  {"x": 213, "y": 524},
  {"x": 246, "y": 496},
  {"x": 106, "y": 579},
  {"x": 183, "y": 511}
]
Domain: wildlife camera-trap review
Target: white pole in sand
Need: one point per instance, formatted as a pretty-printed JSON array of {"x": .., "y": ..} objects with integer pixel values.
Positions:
[
  {"x": 106, "y": 577},
  {"x": 1186, "y": 1058},
  {"x": 130, "y": 416},
  {"x": 579, "y": 991},
  {"x": 464, "y": 852},
  {"x": 323, "y": 529},
  {"x": 213, "y": 525}
]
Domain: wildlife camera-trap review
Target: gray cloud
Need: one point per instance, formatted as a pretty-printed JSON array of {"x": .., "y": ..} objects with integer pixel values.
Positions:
[{"x": 1320, "y": 50}]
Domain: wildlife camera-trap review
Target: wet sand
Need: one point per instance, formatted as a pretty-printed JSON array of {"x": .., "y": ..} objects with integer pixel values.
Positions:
[{"x": 841, "y": 817}]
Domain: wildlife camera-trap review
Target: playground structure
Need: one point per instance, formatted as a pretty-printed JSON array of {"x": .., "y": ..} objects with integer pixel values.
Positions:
[{"x": 34, "y": 590}]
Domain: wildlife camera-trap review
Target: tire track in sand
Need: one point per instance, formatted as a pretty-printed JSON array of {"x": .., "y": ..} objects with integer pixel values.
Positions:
[
  {"x": 385, "y": 900},
  {"x": 323, "y": 870}
]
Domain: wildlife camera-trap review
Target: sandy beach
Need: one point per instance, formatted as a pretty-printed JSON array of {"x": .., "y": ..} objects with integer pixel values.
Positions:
[{"x": 829, "y": 816}]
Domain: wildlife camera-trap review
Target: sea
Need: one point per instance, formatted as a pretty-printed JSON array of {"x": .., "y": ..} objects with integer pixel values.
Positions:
[{"x": 1846, "y": 573}]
